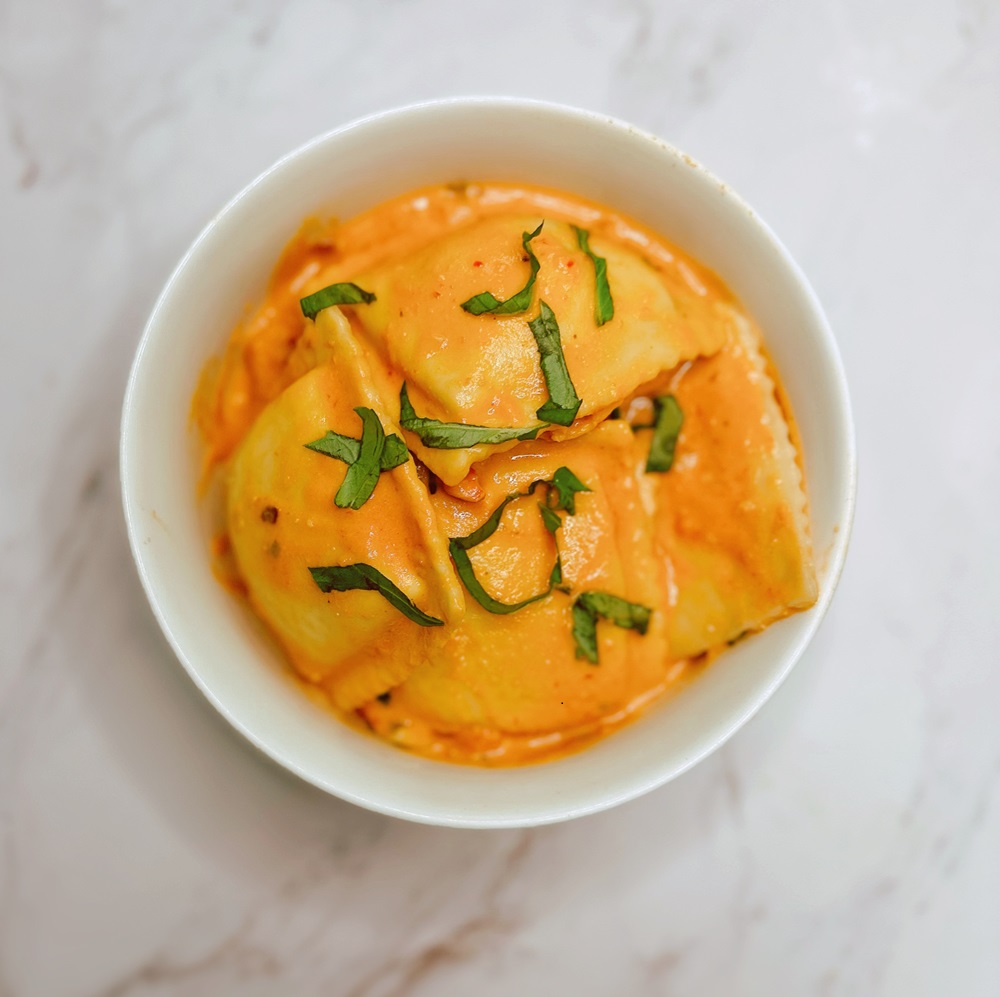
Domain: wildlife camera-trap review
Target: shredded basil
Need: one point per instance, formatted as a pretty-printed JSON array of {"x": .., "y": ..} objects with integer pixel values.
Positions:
[
  {"x": 336, "y": 445},
  {"x": 622, "y": 613},
  {"x": 563, "y": 403},
  {"x": 604, "y": 307},
  {"x": 486, "y": 304},
  {"x": 463, "y": 565},
  {"x": 365, "y": 458},
  {"x": 549, "y": 518},
  {"x": 455, "y": 435},
  {"x": 566, "y": 485},
  {"x": 460, "y": 546},
  {"x": 348, "y": 449},
  {"x": 666, "y": 428},
  {"x": 394, "y": 454},
  {"x": 362, "y": 474},
  {"x": 346, "y": 577},
  {"x": 585, "y": 633},
  {"x": 335, "y": 294},
  {"x": 552, "y": 523}
]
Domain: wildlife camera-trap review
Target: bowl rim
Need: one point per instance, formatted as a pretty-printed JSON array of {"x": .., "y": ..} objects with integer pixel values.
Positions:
[{"x": 836, "y": 553}]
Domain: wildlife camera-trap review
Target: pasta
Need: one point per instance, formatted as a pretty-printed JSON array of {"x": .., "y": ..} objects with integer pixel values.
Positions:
[{"x": 501, "y": 468}]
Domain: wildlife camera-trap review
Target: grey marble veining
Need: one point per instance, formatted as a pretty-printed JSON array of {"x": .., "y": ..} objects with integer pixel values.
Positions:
[{"x": 844, "y": 843}]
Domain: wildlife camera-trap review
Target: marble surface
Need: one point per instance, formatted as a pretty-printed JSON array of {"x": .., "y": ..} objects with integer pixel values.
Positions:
[{"x": 846, "y": 842}]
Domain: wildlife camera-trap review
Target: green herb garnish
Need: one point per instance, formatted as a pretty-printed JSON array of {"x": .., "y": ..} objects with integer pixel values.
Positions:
[
  {"x": 348, "y": 449},
  {"x": 549, "y": 518},
  {"x": 486, "y": 304},
  {"x": 591, "y": 605},
  {"x": 459, "y": 547},
  {"x": 334, "y": 294},
  {"x": 604, "y": 307},
  {"x": 566, "y": 485},
  {"x": 563, "y": 403},
  {"x": 362, "y": 475},
  {"x": 666, "y": 428},
  {"x": 344, "y": 578},
  {"x": 366, "y": 458},
  {"x": 455, "y": 435},
  {"x": 552, "y": 523},
  {"x": 463, "y": 565}
]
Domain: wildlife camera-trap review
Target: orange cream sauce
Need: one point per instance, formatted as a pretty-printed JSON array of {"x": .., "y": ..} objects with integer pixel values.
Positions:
[{"x": 716, "y": 547}]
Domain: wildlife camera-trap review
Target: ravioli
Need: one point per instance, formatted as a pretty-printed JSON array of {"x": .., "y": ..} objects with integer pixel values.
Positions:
[
  {"x": 520, "y": 674},
  {"x": 484, "y": 369},
  {"x": 282, "y": 520},
  {"x": 645, "y": 573},
  {"x": 731, "y": 515}
]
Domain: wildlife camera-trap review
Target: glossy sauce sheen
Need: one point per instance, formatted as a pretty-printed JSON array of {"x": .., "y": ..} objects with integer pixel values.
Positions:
[{"x": 717, "y": 546}]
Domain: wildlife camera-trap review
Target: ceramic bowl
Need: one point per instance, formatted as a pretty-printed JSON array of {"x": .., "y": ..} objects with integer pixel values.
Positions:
[{"x": 344, "y": 172}]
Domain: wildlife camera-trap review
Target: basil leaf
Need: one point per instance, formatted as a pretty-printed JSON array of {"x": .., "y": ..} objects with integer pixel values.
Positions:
[
  {"x": 486, "y": 304},
  {"x": 563, "y": 403},
  {"x": 344, "y": 578},
  {"x": 336, "y": 445},
  {"x": 488, "y": 528},
  {"x": 362, "y": 474},
  {"x": 334, "y": 294},
  {"x": 666, "y": 429},
  {"x": 455, "y": 435},
  {"x": 348, "y": 449},
  {"x": 458, "y": 547},
  {"x": 552, "y": 523},
  {"x": 468, "y": 575},
  {"x": 604, "y": 307},
  {"x": 549, "y": 518},
  {"x": 566, "y": 485},
  {"x": 394, "y": 454},
  {"x": 585, "y": 632},
  {"x": 622, "y": 613}
]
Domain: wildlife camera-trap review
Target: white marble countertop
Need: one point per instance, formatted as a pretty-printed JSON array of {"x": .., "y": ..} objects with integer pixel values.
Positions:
[{"x": 845, "y": 843}]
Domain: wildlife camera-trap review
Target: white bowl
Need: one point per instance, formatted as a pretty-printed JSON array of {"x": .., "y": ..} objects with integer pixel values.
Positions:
[{"x": 345, "y": 172}]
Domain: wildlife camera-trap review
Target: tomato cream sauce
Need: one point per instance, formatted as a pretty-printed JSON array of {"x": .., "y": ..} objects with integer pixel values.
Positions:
[{"x": 715, "y": 547}]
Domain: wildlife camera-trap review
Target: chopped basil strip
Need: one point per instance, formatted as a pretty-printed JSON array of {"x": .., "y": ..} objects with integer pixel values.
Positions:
[
  {"x": 563, "y": 403},
  {"x": 344, "y": 578},
  {"x": 394, "y": 454},
  {"x": 468, "y": 575},
  {"x": 455, "y": 435},
  {"x": 348, "y": 449},
  {"x": 486, "y": 304},
  {"x": 488, "y": 528},
  {"x": 591, "y": 605},
  {"x": 362, "y": 474},
  {"x": 335, "y": 294},
  {"x": 585, "y": 633},
  {"x": 552, "y": 523},
  {"x": 458, "y": 547},
  {"x": 549, "y": 518},
  {"x": 566, "y": 485},
  {"x": 336, "y": 445},
  {"x": 666, "y": 429},
  {"x": 604, "y": 307}
]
